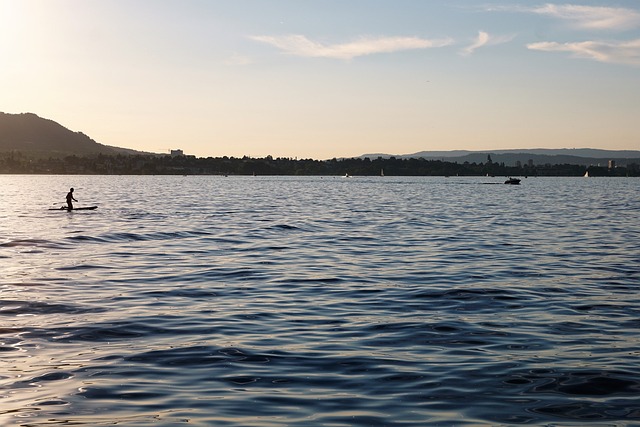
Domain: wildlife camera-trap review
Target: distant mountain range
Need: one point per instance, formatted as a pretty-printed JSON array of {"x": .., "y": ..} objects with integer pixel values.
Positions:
[
  {"x": 538, "y": 156},
  {"x": 38, "y": 137}
]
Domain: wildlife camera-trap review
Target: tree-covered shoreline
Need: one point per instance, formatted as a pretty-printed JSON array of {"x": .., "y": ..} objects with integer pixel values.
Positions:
[{"x": 18, "y": 163}]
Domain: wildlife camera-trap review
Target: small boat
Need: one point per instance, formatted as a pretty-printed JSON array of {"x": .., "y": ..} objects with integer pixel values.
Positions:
[
  {"x": 513, "y": 181},
  {"x": 586, "y": 174}
]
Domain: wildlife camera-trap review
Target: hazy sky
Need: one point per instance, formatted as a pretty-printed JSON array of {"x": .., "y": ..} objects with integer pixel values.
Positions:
[{"x": 327, "y": 78}]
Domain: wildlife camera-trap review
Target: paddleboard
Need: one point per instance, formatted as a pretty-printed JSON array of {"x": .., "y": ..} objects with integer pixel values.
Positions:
[{"x": 85, "y": 208}]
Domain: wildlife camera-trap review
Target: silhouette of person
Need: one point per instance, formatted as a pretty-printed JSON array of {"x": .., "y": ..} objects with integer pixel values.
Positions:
[{"x": 69, "y": 199}]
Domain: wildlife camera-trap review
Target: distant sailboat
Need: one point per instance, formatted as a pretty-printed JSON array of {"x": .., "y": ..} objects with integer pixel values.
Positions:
[
  {"x": 586, "y": 174},
  {"x": 381, "y": 172}
]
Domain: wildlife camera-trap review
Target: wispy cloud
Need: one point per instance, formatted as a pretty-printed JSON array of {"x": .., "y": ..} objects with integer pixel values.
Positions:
[
  {"x": 592, "y": 17},
  {"x": 625, "y": 52},
  {"x": 300, "y": 45},
  {"x": 484, "y": 39},
  {"x": 580, "y": 16},
  {"x": 237, "y": 59}
]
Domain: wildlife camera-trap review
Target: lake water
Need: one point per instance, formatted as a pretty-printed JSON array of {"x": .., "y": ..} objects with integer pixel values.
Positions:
[{"x": 319, "y": 301}]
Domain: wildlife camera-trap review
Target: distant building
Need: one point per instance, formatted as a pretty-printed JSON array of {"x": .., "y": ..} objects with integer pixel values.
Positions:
[
  {"x": 612, "y": 164},
  {"x": 530, "y": 163},
  {"x": 518, "y": 164},
  {"x": 177, "y": 153}
]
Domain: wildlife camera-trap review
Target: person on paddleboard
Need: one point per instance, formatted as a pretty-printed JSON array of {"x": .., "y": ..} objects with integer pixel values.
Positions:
[{"x": 69, "y": 199}]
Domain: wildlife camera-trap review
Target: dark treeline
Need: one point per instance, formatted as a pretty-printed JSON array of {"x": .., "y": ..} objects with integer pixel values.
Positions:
[{"x": 17, "y": 163}]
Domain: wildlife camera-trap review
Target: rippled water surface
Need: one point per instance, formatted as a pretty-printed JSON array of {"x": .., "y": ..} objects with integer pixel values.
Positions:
[{"x": 273, "y": 301}]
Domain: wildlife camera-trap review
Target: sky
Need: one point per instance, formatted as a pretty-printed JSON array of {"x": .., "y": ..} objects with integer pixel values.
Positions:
[{"x": 327, "y": 78}]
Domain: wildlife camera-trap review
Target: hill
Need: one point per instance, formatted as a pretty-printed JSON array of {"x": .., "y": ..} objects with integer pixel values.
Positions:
[
  {"x": 38, "y": 137},
  {"x": 537, "y": 156}
]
